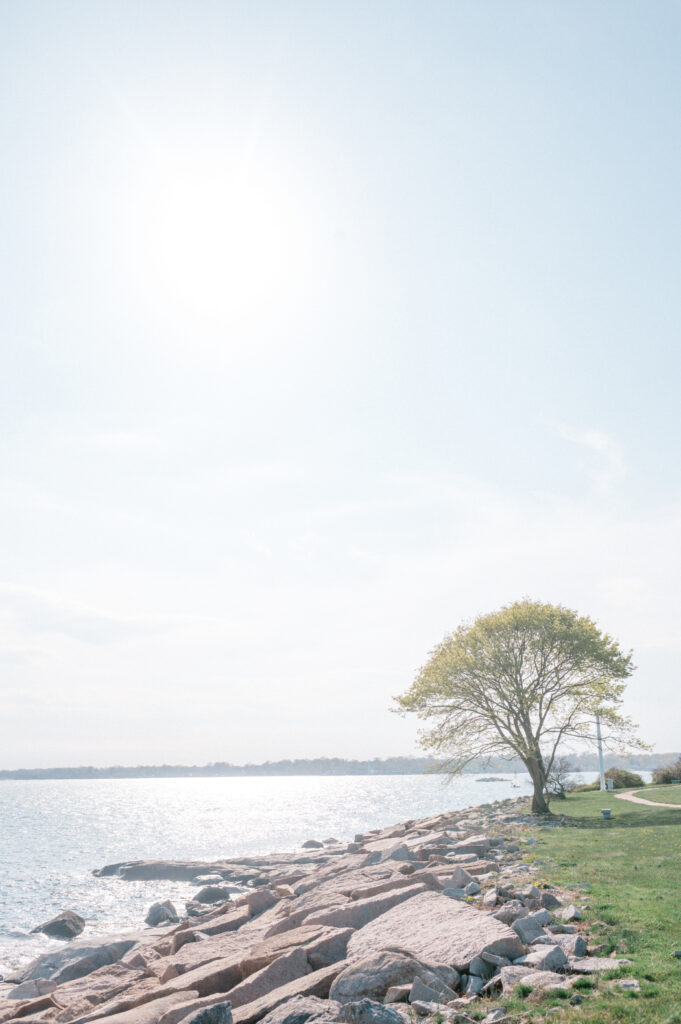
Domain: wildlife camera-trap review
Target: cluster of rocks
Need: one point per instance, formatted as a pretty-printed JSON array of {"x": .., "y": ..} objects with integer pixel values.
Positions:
[{"x": 426, "y": 917}]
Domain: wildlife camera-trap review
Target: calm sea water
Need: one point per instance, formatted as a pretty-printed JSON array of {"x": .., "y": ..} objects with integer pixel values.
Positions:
[{"x": 54, "y": 833}]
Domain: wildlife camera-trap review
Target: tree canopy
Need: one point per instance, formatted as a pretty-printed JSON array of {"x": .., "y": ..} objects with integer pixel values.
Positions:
[{"x": 521, "y": 680}]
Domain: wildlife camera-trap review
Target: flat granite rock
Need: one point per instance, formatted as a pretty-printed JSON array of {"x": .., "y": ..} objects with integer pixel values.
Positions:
[
  {"x": 316, "y": 984},
  {"x": 148, "y": 1013},
  {"x": 437, "y": 929},
  {"x": 280, "y": 972},
  {"x": 81, "y": 957},
  {"x": 360, "y": 912},
  {"x": 323, "y": 945}
]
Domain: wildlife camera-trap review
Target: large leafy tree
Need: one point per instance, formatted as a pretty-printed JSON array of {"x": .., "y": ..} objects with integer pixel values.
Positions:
[{"x": 521, "y": 681}]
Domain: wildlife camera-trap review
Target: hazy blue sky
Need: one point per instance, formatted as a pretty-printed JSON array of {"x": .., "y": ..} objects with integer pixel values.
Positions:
[{"x": 324, "y": 327}]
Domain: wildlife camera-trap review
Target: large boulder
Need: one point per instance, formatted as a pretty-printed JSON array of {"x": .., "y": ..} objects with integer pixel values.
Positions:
[
  {"x": 378, "y": 972},
  {"x": 365, "y": 1011},
  {"x": 229, "y": 921},
  {"x": 66, "y": 925},
  {"x": 221, "y": 1013},
  {"x": 301, "y": 1009},
  {"x": 359, "y": 912},
  {"x": 437, "y": 929},
  {"x": 161, "y": 913},
  {"x": 146, "y": 870},
  {"x": 214, "y": 976},
  {"x": 213, "y": 894},
  {"x": 322, "y": 944},
  {"x": 316, "y": 984},
  {"x": 77, "y": 959},
  {"x": 185, "y": 1011},
  {"x": 280, "y": 972},
  {"x": 396, "y": 882},
  {"x": 151, "y": 1012}
]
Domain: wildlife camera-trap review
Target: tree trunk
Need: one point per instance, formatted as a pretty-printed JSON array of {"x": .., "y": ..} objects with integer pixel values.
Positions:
[{"x": 535, "y": 767}]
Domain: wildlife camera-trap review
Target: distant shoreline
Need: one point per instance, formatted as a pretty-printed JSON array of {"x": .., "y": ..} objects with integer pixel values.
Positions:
[{"x": 315, "y": 767}]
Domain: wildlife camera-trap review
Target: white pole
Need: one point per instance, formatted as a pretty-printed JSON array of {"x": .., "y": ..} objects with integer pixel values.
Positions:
[{"x": 600, "y": 752}]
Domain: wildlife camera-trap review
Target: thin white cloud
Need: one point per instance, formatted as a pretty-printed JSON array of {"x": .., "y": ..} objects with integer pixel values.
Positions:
[
  {"x": 40, "y": 612},
  {"x": 607, "y": 465}
]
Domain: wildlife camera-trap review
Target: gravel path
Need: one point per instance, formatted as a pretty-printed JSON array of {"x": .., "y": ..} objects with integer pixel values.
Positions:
[{"x": 639, "y": 800}]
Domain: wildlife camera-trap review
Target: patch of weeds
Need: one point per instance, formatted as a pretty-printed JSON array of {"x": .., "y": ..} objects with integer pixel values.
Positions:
[
  {"x": 523, "y": 991},
  {"x": 617, "y": 972},
  {"x": 584, "y": 984},
  {"x": 649, "y": 991}
]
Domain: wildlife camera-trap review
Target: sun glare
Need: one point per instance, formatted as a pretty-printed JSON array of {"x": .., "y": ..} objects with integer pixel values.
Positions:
[{"x": 219, "y": 247}]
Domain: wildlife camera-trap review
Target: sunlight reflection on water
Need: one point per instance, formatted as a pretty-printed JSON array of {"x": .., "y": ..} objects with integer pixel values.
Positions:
[{"x": 54, "y": 833}]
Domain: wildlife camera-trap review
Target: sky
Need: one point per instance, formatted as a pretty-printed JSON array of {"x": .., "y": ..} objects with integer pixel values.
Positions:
[{"x": 324, "y": 328}]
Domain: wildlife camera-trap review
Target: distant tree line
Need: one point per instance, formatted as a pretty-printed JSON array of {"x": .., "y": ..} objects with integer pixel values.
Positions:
[{"x": 322, "y": 766}]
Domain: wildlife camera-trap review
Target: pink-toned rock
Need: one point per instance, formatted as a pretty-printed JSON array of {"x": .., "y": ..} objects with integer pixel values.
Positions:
[
  {"x": 143, "y": 991},
  {"x": 399, "y": 882},
  {"x": 260, "y": 899},
  {"x": 186, "y": 1011},
  {"x": 436, "y": 929},
  {"x": 361, "y": 912},
  {"x": 31, "y": 989},
  {"x": 82, "y": 994},
  {"x": 228, "y": 922},
  {"x": 148, "y": 1013},
  {"x": 29, "y": 1010},
  {"x": 322, "y": 944},
  {"x": 215, "y": 976},
  {"x": 280, "y": 972},
  {"x": 316, "y": 984}
]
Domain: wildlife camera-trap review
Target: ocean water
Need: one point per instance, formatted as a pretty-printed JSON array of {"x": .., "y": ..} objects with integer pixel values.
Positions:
[{"x": 54, "y": 833}]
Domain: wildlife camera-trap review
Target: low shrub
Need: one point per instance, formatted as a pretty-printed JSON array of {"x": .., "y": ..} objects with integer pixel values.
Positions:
[
  {"x": 621, "y": 779},
  {"x": 663, "y": 776}
]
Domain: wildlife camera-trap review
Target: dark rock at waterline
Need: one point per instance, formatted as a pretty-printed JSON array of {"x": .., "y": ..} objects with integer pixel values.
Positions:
[
  {"x": 161, "y": 913},
  {"x": 66, "y": 925},
  {"x": 214, "y": 894},
  {"x": 157, "y": 870}
]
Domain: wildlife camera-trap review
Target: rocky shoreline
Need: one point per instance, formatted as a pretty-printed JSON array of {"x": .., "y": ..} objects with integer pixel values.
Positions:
[{"x": 430, "y": 918}]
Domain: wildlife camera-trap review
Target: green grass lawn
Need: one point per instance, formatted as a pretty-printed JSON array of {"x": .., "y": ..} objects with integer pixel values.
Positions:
[
  {"x": 626, "y": 873},
  {"x": 663, "y": 794}
]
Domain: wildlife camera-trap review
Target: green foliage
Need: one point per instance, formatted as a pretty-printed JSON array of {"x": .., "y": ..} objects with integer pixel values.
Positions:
[
  {"x": 663, "y": 776},
  {"x": 621, "y": 779},
  {"x": 518, "y": 682}
]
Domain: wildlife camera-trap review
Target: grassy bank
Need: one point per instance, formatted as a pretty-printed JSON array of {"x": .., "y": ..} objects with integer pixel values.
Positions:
[
  {"x": 624, "y": 874},
  {"x": 662, "y": 794}
]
